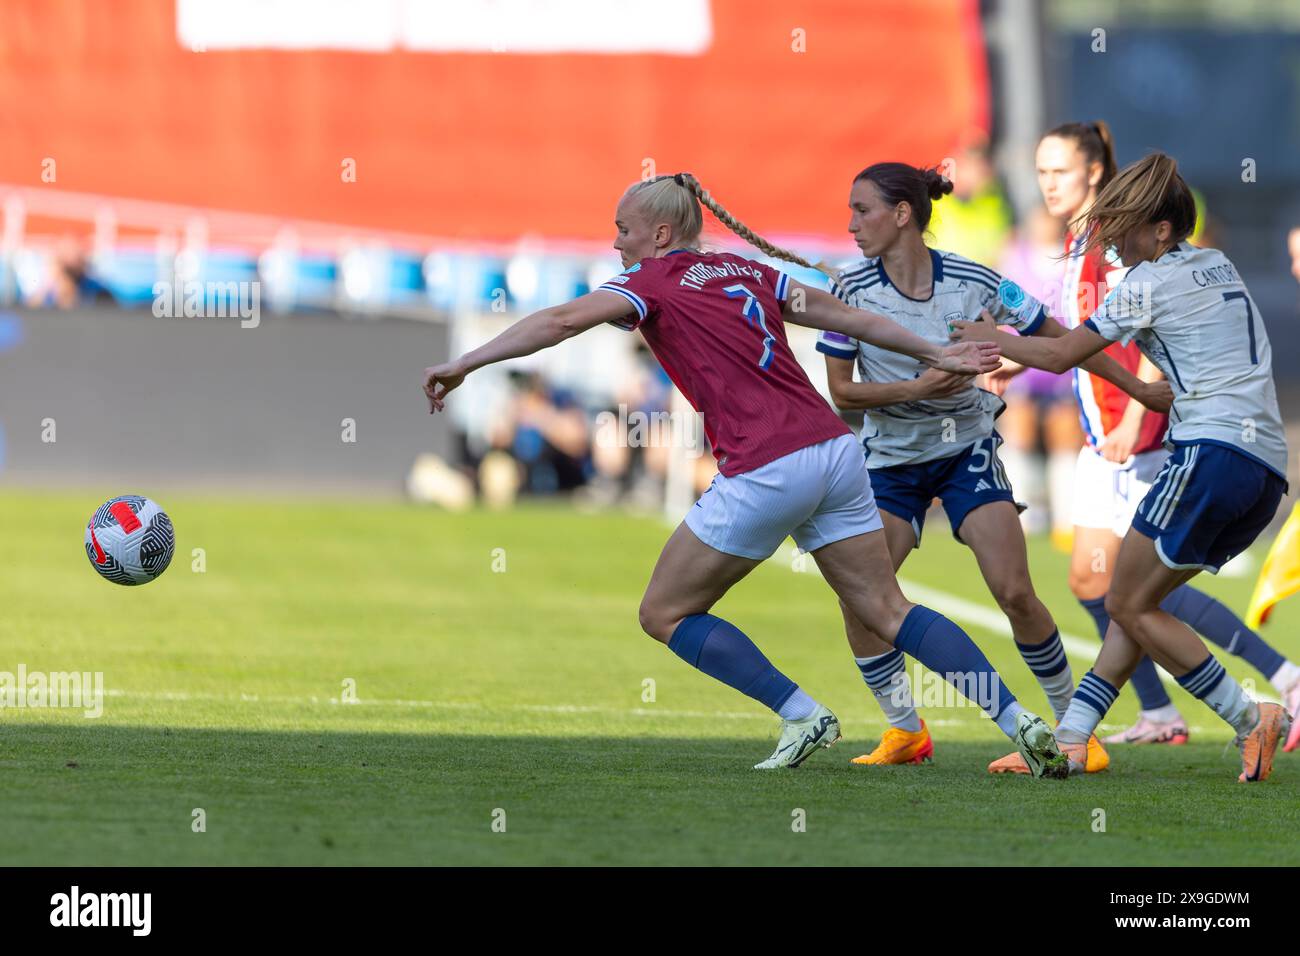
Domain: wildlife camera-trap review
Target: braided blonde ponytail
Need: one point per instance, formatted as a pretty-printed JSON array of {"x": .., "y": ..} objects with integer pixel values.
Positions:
[
  {"x": 739, "y": 228},
  {"x": 664, "y": 201}
]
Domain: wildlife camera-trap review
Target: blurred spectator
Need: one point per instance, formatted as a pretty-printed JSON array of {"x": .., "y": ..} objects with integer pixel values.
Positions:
[
  {"x": 975, "y": 221},
  {"x": 548, "y": 436},
  {"x": 1293, "y": 247},
  {"x": 631, "y": 462},
  {"x": 68, "y": 282},
  {"x": 1041, "y": 423}
]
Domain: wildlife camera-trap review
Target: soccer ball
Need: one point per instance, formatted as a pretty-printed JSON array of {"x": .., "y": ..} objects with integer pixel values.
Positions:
[{"x": 129, "y": 540}]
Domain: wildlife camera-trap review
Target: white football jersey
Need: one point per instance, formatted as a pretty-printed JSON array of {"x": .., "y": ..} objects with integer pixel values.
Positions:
[
  {"x": 1190, "y": 313},
  {"x": 914, "y": 432}
]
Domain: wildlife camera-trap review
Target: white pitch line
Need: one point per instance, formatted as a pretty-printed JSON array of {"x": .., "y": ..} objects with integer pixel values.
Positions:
[
  {"x": 183, "y": 696},
  {"x": 983, "y": 616},
  {"x": 987, "y": 618}
]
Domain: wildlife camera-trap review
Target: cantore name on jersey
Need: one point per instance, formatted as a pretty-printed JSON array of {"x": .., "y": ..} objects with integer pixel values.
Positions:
[
  {"x": 914, "y": 432},
  {"x": 1190, "y": 313}
]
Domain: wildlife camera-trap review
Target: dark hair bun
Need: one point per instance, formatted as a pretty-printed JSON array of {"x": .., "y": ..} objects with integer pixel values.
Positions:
[{"x": 937, "y": 185}]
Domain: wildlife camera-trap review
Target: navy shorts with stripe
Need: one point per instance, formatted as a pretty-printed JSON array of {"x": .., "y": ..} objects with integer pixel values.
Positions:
[
  {"x": 962, "y": 482},
  {"x": 1208, "y": 504}
]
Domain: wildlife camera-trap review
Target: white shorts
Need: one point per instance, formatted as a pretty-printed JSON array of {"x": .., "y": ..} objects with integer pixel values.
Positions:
[
  {"x": 1107, "y": 494},
  {"x": 818, "y": 495}
]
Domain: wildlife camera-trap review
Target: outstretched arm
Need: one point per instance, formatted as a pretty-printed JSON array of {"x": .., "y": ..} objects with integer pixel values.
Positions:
[
  {"x": 1123, "y": 438},
  {"x": 1149, "y": 390},
  {"x": 530, "y": 334},
  {"x": 816, "y": 309},
  {"x": 1057, "y": 350},
  {"x": 850, "y": 395},
  {"x": 1055, "y": 354}
]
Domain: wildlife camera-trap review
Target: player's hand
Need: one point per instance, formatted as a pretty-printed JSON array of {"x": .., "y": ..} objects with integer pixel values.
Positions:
[
  {"x": 1157, "y": 396},
  {"x": 934, "y": 383},
  {"x": 997, "y": 380},
  {"x": 984, "y": 329},
  {"x": 439, "y": 380},
  {"x": 1120, "y": 441},
  {"x": 969, "y": 358}
]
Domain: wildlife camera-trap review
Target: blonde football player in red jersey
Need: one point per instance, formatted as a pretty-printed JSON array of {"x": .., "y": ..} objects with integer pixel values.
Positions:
[{"x": 787, "y": 464}]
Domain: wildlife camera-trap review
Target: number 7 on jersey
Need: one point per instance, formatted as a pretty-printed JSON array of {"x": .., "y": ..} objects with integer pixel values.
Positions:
[{"x": 753, "y": 311}]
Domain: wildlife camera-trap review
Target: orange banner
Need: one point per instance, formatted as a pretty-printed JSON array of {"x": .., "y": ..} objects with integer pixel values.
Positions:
[{"x": 774, "y": 104}]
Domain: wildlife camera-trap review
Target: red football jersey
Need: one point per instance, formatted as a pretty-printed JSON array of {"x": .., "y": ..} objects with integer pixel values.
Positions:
[
  {"x": 713, "y": 320},
  {"x": 1101, "y": 404}
]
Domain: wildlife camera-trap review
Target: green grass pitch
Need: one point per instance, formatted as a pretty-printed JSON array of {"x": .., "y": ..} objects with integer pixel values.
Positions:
[{"x": 509, "y": 685}]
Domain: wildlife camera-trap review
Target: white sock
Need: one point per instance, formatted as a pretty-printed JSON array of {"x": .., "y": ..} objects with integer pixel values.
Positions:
[
  {"x": 1285, "y": 677},
  {"x": 1092, "y": 699},
  {"x": 886, "y": 676},
  {"x": 798, "y": 706},
  {"x": 1007, "y": 719},
  {"x": 1230, "y": 702},
  {"x": 1078, "y": 724},
  {"x": 1059, "y": 690},
  {"x": 1046, "y": 656}
]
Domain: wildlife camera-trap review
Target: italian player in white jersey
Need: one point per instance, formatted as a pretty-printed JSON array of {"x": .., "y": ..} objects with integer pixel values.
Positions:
[
  {"x": 1192, "y": 316},
  {"x": 1123, "y": 454},
  {"x": 930, "y": 435}
]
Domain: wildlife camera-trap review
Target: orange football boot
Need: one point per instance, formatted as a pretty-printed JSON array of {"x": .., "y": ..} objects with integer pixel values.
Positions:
[
  {"x": 899, "y": 747},
  {"x": 1095, "y": 761},
  {"x": 1260, "y": 744}
]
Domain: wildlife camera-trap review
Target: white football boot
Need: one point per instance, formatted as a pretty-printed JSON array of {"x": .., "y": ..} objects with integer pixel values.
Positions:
[
  {"x": 1037, "y": 745},
  {"x": 800, "y": 738}
]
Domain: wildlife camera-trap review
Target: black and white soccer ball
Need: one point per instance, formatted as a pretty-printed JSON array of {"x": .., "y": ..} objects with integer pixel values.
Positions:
[{"x": 130, "y": 540}]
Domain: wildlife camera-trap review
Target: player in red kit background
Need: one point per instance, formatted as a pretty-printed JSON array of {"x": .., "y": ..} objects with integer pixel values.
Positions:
[{"x": 787, "y": 464}]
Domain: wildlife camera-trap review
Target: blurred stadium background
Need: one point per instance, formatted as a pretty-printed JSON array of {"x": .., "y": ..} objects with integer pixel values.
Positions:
[
  {"x": 397, "y": 179},
  {"x": 357, "y": 190}
]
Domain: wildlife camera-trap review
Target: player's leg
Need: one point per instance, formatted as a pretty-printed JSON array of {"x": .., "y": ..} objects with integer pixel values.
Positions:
[
  {"x": 1137, "y": 627},
  {"x": 1106, "y": 496},
  {"x": 993, "y": 533},
  {"x": 884, "y": 669},
  {"x": 1217, "y": 623},
  {"x": 982, "y": 510},
  {"x": 736, "y": 524},
  {"x": 1207, "y": 505},
  {"x": 1160, "y": 720},
  {"x": 1136, "y": 609},
  {"x": 689, "y": 578},
  {"x": 859, "y": 569},
  {"x": 1092, "y": 562}
]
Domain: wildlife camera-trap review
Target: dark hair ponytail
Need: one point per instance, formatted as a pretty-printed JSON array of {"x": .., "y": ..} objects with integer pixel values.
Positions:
[
  {"x": 916, "y": 186},
  {"x": 1095, "y": 142}
]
